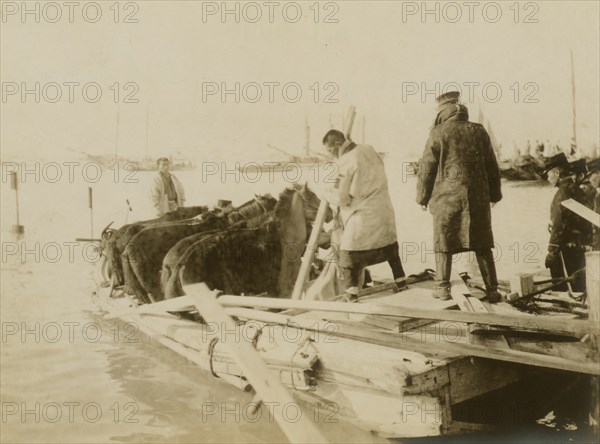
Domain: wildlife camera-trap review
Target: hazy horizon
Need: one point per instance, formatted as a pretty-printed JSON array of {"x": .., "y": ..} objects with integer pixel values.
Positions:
[{"x": 366, "y": 59}]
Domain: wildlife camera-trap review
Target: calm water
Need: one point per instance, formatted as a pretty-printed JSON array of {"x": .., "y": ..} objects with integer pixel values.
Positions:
[{"x": 68, "y": 375}]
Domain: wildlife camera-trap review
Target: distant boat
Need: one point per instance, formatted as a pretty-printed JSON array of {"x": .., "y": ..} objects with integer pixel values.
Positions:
[
  {"x": 524, "y": 168},
  {"x": 176, "y": 164}
]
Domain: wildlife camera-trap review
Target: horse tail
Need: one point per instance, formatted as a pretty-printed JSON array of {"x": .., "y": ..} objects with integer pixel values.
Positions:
[
  {"x": 170, "y": 282},
  {"x": 178, "y": 284},
  {"x": 131, "y": 264},
  {"x": 165, "y": 277}
]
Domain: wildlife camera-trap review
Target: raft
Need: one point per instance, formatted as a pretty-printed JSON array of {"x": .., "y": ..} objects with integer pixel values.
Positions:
[{"x": 438, "y": 373}]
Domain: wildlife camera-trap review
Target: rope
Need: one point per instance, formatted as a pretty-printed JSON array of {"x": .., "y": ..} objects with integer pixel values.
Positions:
[
  {"x": 304, "y": 345},
  {"x": 211, "y": 348}
]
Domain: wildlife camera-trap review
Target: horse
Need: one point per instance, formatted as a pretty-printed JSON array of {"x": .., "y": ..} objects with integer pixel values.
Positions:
[
  {"x": 251, "y": 260},
  {"x": 244, "y": 217},
  {"x": 144, "y": 254},
  {"x": 115, "y": 241}
]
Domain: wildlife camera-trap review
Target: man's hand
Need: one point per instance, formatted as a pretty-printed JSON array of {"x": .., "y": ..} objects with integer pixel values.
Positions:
[
  {"x": 423, "y": 207},
  {"x": 552, "y": 258}
]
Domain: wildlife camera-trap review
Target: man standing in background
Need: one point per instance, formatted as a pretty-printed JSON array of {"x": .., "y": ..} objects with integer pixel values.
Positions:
[
  {"x": 458, "y": 180},
  {"x": 566, "y": 249},
  {"x": 593, "y": 191},
  {"x": 167, "y": 191}
]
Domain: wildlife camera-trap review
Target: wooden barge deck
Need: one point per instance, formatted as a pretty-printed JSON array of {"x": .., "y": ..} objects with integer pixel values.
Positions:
[{"x": 393, "y": 375}]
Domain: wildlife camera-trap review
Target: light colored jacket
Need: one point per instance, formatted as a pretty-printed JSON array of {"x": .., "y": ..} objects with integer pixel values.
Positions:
[
  {"x": 159, "y": 195},
  {"x": 362, "y": 195}
]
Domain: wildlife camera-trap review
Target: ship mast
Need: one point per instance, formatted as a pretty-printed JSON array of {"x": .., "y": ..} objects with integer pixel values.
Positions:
[
  {"x": 117, "y": 138},
  {"x": 307, "y": 132},
  {"x": 147, "y": 119},
  {"x": 364, "y": 124},
  {"x": 574, "y": 139}
]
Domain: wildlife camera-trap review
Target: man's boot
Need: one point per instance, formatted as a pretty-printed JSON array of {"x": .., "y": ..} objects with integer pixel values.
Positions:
[
  {"x": 443, "y": 291},
  {"x": 351, "y": 294},
  {"x": 443, "y": 262},
  {"x": 487, "y": 268},
  {"x": 398, "y": 272}
]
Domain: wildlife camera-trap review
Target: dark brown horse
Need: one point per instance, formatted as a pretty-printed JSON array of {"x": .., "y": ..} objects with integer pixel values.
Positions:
[
  {"x": 115, "y": 241},
  {"x": 246, "y": 216},
  {"x": 251, "y": 260},
  {"x": 144, "y": 253}
]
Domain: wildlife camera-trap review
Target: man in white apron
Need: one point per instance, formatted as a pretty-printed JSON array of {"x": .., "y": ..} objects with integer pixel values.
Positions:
[{"x": 365, "y": 211}]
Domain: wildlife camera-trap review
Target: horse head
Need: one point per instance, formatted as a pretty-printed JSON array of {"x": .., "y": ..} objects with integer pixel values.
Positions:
[{"x": 311, "y": 203}]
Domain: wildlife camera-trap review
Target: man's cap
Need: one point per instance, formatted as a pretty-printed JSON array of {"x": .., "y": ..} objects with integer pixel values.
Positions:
[
  {"x": 593, "y": 165},
  {"x": 222, "y": 203},
  {"x": 578, "y": 166},
  {"x": 557, "y": 160},
  {"x": 449, "y": 97}
]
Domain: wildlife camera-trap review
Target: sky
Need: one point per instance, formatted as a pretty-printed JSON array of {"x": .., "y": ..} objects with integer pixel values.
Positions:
[{"x": 167, "y": 72}]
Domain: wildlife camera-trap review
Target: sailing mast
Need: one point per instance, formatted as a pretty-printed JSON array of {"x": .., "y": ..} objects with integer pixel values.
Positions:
[
  {"x": 117, "y": 138},
  {"x": 147, "y": 119},
  {"x": 574, "y": 137},
  {"x": 364, "y": 124},
  {"x": 307, "y": 132}
]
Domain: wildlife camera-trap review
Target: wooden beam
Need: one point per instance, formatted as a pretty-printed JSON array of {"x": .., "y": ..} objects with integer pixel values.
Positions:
[
  {"x": 477, "y": 306},
  {"x": 419, "y": 344},
  {"x": 313, "y": 241},
  {"x": 546, "y": 323},
  {"x": 255, "y": 369},
  {"x": 459, "y": 292},
  {"x": 592, "y": 262},
  {"x": 521, "y": 321},
  {"x": 582, "y": 211}
]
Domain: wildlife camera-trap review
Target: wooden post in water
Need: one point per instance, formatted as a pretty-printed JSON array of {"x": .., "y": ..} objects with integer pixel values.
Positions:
[
  {"x": 592, "y": 265},
  {"x": 91, "y": 205},
  {"x": 18, "y": 228}
]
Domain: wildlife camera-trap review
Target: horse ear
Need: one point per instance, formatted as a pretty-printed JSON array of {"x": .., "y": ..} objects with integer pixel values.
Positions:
[{"x": 305, "y": 186}]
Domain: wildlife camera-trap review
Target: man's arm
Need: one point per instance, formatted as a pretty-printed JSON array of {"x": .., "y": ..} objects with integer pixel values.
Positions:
[
  {"x": 339, "y": 194},
  {"x": 156, "y": 194},
  {"x": 557, "y": 218},
  {"x": 427, "y": 171},
  {"x": 492, "y": 171},
  {"x": 180, "y": 190}
]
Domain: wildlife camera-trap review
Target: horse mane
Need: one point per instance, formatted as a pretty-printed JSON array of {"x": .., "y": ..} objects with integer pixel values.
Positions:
[
  {"x": 284, "y": 204},
  {"x": 252, "y": 209}
]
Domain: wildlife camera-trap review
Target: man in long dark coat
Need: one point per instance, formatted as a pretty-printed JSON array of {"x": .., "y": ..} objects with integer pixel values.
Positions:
[
  {"x": 566, "y": 248},
  {"x": 458, "y": 180}
]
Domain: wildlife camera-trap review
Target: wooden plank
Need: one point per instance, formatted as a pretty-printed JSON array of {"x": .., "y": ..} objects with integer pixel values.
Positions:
[
  {"x": 417, "y": 297},
  {"x": 255, "y": 369},
  {"x": 582, "y": 211},
  {"x": 517, "y": 321},
  {"x": 548, "y": 323},
  {"x": 459, "y": 292},
  {"x": 420, "y": 344},
  {"x": 476, "y": 376},
  {"x": 497, "y": 339},
  {"x": 592, "y": 262}
]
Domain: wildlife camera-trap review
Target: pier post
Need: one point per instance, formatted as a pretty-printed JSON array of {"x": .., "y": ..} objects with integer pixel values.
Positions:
[
  {"x": 592, "y": 262},
  {"x": 17, "y": 228},
  {"x": 91, "y": 205}
]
